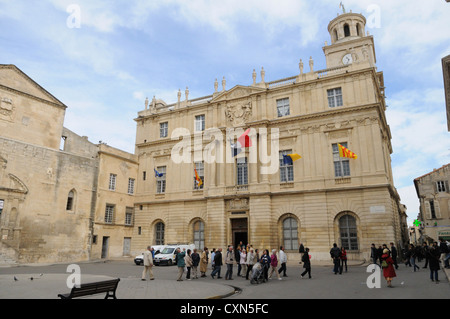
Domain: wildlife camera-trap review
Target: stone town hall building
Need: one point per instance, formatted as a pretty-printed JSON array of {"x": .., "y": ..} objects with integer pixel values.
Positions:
[
  {"x": 103, "y": 202},
  {"x": 317, "y": 200}
]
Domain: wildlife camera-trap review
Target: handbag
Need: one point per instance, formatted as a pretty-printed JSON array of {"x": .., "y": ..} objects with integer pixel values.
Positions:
[{"x": 384, "y": 264}]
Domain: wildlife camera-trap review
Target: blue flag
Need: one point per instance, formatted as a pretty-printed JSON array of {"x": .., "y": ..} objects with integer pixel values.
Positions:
[{"x": 157, "y": 174}]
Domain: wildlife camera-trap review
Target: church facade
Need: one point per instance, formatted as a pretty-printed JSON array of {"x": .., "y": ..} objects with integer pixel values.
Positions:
[{"x": 192, "y": 189}]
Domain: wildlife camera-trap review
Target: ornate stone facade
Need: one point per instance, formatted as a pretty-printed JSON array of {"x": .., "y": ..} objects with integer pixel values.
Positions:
[{"x": 312, "y": 201}]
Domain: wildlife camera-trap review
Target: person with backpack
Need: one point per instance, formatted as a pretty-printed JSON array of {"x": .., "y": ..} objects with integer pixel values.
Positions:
[{"x": 335, "y": 253}]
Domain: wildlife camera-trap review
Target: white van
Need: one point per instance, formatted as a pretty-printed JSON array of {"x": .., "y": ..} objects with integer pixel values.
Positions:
[
  {"x": 167, "y": 255},
  {"x": 139, "y": 260}
]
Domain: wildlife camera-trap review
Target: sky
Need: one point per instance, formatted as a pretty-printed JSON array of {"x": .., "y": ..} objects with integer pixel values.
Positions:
[{"x": 103, "y": 58}]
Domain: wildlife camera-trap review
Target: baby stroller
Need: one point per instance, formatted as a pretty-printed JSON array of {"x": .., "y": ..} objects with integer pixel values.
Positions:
[{"x": 257, "y": 274}]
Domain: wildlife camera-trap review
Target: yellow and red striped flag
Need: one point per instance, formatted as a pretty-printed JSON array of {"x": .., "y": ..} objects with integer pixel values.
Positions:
[
  {"x": 345, "y": 152},
  {"x": 198, "y": 179}
]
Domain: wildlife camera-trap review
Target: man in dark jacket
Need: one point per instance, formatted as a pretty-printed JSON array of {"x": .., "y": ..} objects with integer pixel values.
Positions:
[
  {"x": 394, "y": 255},
  {"x": 195, "y": 262},
  {"x": 217, "y": 263},
  {"x": 425, "y": 250},
  {"x": 301, "y": 250},
  {"x": 335, "y": 253}
]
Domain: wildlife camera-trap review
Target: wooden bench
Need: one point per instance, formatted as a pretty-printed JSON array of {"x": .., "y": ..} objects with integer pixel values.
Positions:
[{"x": 109, "y": 287}]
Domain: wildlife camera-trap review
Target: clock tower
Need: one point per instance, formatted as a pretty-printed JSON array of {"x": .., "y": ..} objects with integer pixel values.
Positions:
[{"x": 350, "y": 44}]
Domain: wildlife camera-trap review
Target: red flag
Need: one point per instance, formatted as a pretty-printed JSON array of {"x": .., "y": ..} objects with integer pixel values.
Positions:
[{"x": 245, "y": 140}]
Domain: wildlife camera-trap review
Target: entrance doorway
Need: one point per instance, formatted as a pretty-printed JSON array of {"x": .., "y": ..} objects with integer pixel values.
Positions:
[
  {"x": 239, "y": 229},
  {"x": 105, "y": 245}
]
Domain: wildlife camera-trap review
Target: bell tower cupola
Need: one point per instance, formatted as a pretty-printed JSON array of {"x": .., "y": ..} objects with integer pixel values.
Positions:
[{"x": 350, "y": 43}]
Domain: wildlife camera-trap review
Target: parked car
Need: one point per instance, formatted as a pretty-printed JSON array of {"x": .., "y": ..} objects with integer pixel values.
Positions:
[
  {"x": 168, "y": 254},
  {"x": 139, "y": 260}
]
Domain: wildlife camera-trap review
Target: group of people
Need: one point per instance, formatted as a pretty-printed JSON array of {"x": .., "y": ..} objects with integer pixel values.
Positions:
[
  {"x": 339, "y": 256},
  {"x": 433, "y": 255},
  {"x": 195, "y": 263},
  {"x": 245, "y": 257}
]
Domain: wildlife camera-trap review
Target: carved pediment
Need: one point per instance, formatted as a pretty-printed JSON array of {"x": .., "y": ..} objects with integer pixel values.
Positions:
[
  {"x": 12, "y": 183},
  {"x": 237, "y": 92}
]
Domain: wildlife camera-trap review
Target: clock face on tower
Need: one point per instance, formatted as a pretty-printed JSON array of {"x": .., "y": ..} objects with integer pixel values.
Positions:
[{"x": 347, "y": 59}]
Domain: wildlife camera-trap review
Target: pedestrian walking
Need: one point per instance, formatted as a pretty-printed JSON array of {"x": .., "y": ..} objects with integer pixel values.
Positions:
[
  {"x": 394, "y": 254},
  {"x": 213, "y": 252},
  {"x": 242, "y": 262},
  {"x": 195, "y": 262},
  {"x": 306, "y": 264},
  {"x": 379, "y": 253},
  {"x": 148, "y": 264},
  {"x": 181, "y": 264},
  {"x": 343, "y": 260},
  {"x": 237, "y": 258},
  {"x": 265, "y": 263},
  {"x": 217, "y": 264},
  {"x": 408, "y": 254},
  {"x": 229, "y": 261},
  {"x": 274, "y": 264},
  {"x": 425, "y": 251},
  {"x": 301, "y": 250},
  {"x": 188, "y": 262},
  {"x": 388, "y": 269},
  {"x": 250, "y": 262},
  {"x": 283, "y": 261},
  {"x": 373, "y": 253},
  {"x": 204, "y": 262},
  {"x": 412, "y": 258},
  {"x": 335, "y": 253},
  {"x": 433, "y": 258}
]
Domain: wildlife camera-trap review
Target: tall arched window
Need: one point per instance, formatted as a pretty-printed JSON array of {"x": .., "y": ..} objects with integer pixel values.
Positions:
[
  {"x": 290, "y": 233},
  {"x": 349, "y": 233},
  {"x": 159, "y": 233},
  {"x": 70, "y": 200},
  {"x": 199, "y": 234},
  {"x": 346, "y": 30},
  {"x": 358, "y": 29}
]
